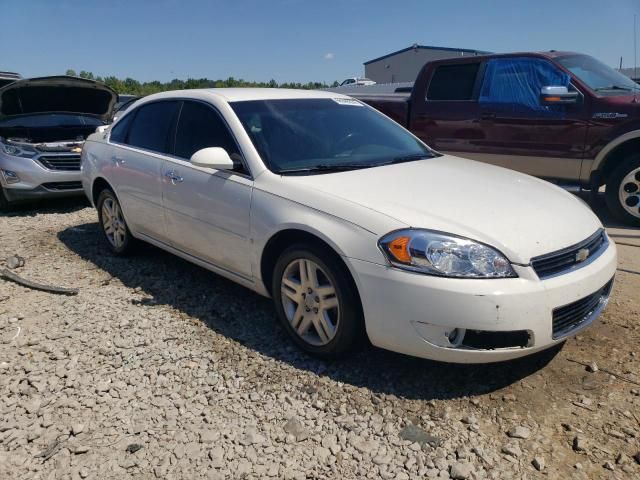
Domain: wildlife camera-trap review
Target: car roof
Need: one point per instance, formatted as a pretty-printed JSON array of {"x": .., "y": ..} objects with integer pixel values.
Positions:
[{"x": 245, "y": 94}]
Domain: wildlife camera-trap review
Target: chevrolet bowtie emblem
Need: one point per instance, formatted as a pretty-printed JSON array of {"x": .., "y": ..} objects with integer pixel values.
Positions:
[
  {"x": 582, "y": 255},
  {"x": 76, "y": 150}
]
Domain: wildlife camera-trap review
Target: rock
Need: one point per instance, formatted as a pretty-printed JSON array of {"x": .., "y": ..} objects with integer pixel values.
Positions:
[
  {"x": 251, "y": 437},
  {"x": 209, "y": 436},
  {"x": 519, "y": 432},
  {"x": 216, "y": 455},
  {"x": 469, "y": 420},
  {"x": 84, "y": 473},
  {"x": 78, "y": 449},
  {"x": 461, "y": 471},
  {"x": 77, "y": 429},
  {"x": 509, "y": 397},
  {"x": 579, "y": 443},
  {"x": 592, "y": 367},
  {"x": 538, "y": 463},
  {"x": 609, "y": 466},
  {"x": 133, "y": 447},
  {"x": 363, "y": 445},
  {"x": 296, "y": 428},
  {"x": 512, "y": 449},
  {"x": 15, "y": 261},
  {"x": 418, "y": 435},
  {"x": 636, "y": 457}
]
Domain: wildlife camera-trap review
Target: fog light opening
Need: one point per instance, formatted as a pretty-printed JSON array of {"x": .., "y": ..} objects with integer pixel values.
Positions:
[
  {"x": 456, "y": 336},
  {"x": 10, "y": 177}
]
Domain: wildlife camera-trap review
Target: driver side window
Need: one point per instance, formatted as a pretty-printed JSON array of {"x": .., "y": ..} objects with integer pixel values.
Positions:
[{"x": 200, "y": 126}]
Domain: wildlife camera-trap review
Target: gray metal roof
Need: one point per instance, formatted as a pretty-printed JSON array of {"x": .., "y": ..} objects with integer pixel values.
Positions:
[{"x": 428, "y": 47}]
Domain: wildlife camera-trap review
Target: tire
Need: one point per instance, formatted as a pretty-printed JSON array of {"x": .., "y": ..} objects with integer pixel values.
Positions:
[
  {"x": 117, "y": 236},
  {"x": 328, "y": 331},
  {"x": 5, "y": 206},
  {"x": 623, "y": 191}
]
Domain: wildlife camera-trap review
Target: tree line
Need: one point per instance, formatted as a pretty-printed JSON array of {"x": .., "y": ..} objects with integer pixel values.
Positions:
[{"x": 134, "y": 87}]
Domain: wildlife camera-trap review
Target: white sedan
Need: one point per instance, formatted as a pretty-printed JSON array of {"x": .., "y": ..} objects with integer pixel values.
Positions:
[{"x": 351, "y": 224}]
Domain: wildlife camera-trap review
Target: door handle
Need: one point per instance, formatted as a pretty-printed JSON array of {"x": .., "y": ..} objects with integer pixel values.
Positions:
[
  {"x": 174, "y": 177},
  {"x": 118, "y": 160},
  {"x": 487, "y": 116}
]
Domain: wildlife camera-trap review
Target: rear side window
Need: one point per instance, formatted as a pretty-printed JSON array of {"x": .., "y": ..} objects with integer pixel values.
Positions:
[
  {"x": 151, "y": 126},
  {"x": 200, "y": 126},
  {"x": 453, "y": 82},
  {"x": 120, "y": 129}
]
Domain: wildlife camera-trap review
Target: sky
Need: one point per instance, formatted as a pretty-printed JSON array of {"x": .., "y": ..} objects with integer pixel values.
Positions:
[{"x": 292, "y": 40}]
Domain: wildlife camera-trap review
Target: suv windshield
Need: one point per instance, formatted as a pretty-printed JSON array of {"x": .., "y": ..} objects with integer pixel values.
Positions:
[
  {"x": 323, "y": 135},
  {"x": 598, "y": 76}
]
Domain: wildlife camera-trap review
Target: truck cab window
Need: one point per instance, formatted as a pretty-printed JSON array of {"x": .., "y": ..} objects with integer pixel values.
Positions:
[{"x": 453, "y": 82}]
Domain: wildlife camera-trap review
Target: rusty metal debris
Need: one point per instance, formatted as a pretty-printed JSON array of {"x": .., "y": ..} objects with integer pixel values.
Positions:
[{"x": 9, "y": 275}]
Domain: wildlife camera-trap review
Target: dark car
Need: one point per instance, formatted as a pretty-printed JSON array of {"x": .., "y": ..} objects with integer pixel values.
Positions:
[{"x": 562, "y": 116}]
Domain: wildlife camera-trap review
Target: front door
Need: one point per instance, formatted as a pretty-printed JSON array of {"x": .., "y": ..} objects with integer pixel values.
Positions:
[
  {"x": 207, "y": 211},
  {"x": 519, "y": 132}
]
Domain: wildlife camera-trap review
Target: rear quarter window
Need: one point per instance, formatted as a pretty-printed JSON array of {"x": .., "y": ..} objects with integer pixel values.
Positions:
[{"x": 453, "y": 82}]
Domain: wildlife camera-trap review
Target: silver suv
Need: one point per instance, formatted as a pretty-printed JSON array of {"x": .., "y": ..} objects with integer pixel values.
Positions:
[{"x": 43, "y": 125}]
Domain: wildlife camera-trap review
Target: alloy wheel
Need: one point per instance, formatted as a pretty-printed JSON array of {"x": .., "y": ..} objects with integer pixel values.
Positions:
[
  {"x": 113, "y": 222},
  {"x": 629, "y": 192},
  {"x": 310, "y": 302}
]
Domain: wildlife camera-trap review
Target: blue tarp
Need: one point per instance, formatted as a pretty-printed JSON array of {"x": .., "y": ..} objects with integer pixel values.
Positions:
[{"x": 514, "y": 84}]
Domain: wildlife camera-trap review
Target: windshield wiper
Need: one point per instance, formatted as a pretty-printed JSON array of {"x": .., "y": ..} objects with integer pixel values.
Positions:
[
  {"x": 323, "y": 167},
  {"x": 409, "y": 158},
  {"x": 616, "y": 87}
]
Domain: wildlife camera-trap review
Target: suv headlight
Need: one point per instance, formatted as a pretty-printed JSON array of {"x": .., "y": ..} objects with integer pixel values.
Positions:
[
  {"x": 16, "y": 151},
  {"x": 442, "y": 254}
]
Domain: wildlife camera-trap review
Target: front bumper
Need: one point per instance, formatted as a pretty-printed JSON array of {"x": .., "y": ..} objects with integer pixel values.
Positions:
[
  {"x": 413, "y": 313},
  {"x": 36, "y": 182}
]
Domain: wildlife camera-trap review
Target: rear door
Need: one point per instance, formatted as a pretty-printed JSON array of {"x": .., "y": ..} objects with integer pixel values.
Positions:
[
  {"x": 207, "y": 210},
  {"x": 521, "y": 133},
  {"x": 140, "y": 142},
  {"x": 447, "y": 117}
]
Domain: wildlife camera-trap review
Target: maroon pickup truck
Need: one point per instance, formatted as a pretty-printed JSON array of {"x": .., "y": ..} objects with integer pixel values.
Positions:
[{"x": 565, "y": 117}]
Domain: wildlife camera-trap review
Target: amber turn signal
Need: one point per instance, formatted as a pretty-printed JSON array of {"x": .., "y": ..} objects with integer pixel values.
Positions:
[{"x": 399, "y": 248}]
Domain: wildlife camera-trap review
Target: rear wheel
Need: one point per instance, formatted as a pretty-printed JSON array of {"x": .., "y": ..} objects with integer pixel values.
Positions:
[
  {"x": 114, "y": 227},
  {"x": 623, "y": 191},
  {"x": 316, "y": 301}
]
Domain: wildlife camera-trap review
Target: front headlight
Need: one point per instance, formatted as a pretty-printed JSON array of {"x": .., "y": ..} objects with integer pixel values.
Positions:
[
  {"x": 15, "y": 151},
  {"x": 442, "y": 254}
]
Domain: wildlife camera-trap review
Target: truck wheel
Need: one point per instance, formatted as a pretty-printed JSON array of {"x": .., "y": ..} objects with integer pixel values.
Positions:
[{"x": 623, "y": 191}]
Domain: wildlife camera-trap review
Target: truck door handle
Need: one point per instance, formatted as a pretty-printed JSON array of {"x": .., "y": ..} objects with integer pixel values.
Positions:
[
  {"x": 487, "y": 116},
  {"x": 174, "y": 177},
  {"x": 117, "y": 159}
]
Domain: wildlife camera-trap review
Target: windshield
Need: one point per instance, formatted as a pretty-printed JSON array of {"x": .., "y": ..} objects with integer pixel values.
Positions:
[
  {"x": 46, "y": 120},
  {"x": 598, "y": 76},
  {"x": 325, "y": 134}
]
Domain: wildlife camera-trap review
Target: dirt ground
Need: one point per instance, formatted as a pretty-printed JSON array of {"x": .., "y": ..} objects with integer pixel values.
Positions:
[{"x": 160, "y": 369}]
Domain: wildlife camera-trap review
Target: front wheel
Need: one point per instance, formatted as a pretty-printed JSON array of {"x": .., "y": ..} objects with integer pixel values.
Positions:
[
  {"x": 623, "y": 191},
  {"x": 317, "y": 301},
  {"x": 114, "y": 227}
]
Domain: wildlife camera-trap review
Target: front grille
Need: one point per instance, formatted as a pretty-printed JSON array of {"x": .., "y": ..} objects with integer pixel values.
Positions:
[
  {"x": 60, "y": 162},
  {"x": 570, "y": 317},
  {"x": 62, "y": 186},
  {"x": 570, "y": 257}
]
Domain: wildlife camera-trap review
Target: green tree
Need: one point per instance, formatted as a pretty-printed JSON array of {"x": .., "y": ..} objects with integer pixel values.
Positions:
[{"x": 71, "y": 72}]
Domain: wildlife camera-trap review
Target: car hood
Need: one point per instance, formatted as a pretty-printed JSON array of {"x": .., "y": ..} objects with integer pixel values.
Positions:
[
  {"x": 520, "y": 215},
  {"x": 56, "y": 95}
]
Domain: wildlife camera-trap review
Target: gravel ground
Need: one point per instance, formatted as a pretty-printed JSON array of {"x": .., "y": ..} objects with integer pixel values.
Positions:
[{"x": 160, "y": 369}]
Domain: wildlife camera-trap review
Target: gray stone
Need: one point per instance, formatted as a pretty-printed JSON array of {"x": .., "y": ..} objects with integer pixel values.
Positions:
[
  {"x": 461, "y": 471},
  {"x": 519, "y": 432},
  {"x": 538, "y": 463},
  {"x": 418, "y": 435},
  {"x": 296, "y": 428}
]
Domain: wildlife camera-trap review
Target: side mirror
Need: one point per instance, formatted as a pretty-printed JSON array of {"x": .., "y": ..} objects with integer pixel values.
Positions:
[
  {"x": 212, "y": 157},
  {"x": 557, "y": 96}
]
